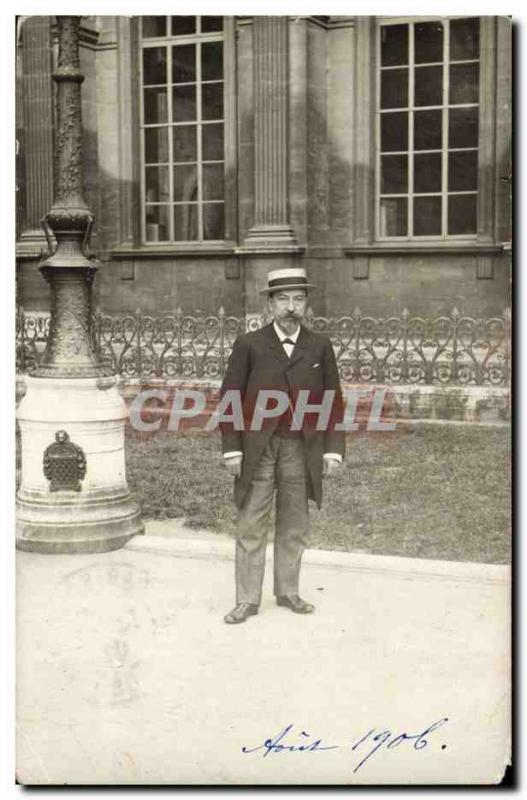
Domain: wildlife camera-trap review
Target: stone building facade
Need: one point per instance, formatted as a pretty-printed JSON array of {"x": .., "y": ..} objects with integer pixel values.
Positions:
[{"x": 373, "y": 151}]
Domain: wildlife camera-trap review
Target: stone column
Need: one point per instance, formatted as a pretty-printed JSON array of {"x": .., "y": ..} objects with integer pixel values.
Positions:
[
  {"x": 38, "y": 126},
  {"x": 271, "y": 228}
]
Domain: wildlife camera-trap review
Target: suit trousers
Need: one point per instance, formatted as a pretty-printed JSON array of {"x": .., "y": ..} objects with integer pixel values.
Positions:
[{"x": 282, "y": 469}]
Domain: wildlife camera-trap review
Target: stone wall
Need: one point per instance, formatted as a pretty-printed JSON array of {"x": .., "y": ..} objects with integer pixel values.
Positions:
[
  {"x": 325, "y": 131},
  {"x": 430, "y": 285}
]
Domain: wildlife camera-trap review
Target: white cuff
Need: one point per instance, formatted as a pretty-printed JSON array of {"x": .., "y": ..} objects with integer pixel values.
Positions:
[
  {"x": 336, "y": 456},
  {"x": 232, "y": 453}
]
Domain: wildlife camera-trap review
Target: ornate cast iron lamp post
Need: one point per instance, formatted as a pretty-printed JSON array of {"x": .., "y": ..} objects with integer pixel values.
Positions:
[{"x": 73, "y": 495}]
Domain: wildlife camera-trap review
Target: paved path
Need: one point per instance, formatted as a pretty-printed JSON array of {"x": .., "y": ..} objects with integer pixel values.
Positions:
[{"x": 127, "y": 674}]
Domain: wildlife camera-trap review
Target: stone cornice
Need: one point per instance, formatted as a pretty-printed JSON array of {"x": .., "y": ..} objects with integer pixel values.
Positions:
[
  {"x": 326, "y": 22},
  {"x": 166, "y": 251},
  {"x": 271, "y": 250},
  {"x": 424, "y": 248},
  {"x": 341, "y": 22},
  {"x": 32, "y": 248}
]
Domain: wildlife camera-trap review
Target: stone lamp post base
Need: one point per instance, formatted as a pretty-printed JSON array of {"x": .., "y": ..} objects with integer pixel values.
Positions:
[{"x": 73, "y": 495}]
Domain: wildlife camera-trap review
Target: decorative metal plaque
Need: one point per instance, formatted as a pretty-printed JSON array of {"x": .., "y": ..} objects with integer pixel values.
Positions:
[{"x": 64, "y": 464}]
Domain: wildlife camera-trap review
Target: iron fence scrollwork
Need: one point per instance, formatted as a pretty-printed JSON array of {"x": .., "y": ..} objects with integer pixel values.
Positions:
[{"x": 450, "y": 349}]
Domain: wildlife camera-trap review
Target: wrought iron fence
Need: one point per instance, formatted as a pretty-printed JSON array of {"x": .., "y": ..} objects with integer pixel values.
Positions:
[{"x": 403, "y": 349}]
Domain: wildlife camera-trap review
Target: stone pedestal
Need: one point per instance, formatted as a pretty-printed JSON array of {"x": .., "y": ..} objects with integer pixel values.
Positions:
[
  {"x": 73, "y": 496},
  {"x": 101, "y": 515}
]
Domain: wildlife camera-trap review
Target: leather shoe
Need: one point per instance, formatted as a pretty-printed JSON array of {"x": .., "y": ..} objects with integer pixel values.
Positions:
[
  {"x": 240, "y": 613},
  {"x": 295, "y": 603}
]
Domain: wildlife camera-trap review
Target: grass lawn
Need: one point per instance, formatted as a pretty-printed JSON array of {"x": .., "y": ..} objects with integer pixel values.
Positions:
[{"x": 431, "y": 491}]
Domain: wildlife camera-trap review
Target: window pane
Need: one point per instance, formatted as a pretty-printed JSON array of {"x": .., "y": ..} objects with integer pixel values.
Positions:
[
  {"x": 428, "y": 131},
  {"x": 428, "y": 86},
  {"x": 186, "y": 183},
  {"x": 155, "y": 106},
  {"x": 463, "y": 127},
  {"x": 156, "y": 223},
  {"x": 427, "y": 172},
  {"x": 156, "y": 145},
  {"x": 184, "y": 63},
  {"x": 154, "y": 26},
  {"x": 186, "y": 223},
  {"x": 212, "y": 101},
  {"x": 154, "y": 65},
  {"x": 394, "y": 88},
  {"x": 183, "y": 25},
  {"x": 185, "y": 148},
  {"x": 394, "y": 132},
  {"x": 463, "y": 171},
  {"x": 184, "y": 103},
  {"x": 209, "y": 24},
  {"x": 394, "y": 216},
  {"x": 394, "y": 45},
  {"x": 211, "y": 61},
  {"x": 464, "y": 39},
  {"x": 213, "y": 221},
  {"x": 462, "y": 214},
  {"x": 394, "y": 174},
  {"x": 213, "y": 181},
  {"x": 183, "y": 97},
  {"x": 212, "y": 142},
  {"x": 156, "y": 185},
  {"x": 427, "y": 216},
  {"x": 428, "y": 42},
  {"x": 464, "y": 83},
  {"x": 435, "y": 170}
]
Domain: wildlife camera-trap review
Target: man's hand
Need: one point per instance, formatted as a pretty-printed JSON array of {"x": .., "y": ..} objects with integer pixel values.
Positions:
[
  {"x": 331, "y": 465},
  {"x": 233, "y": 466}
]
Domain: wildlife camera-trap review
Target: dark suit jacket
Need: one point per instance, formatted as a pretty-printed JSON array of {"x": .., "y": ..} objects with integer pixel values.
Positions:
[{"x": 259, "y": 361}]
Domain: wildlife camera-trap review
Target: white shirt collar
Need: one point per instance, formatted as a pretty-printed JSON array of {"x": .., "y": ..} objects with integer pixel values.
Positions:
[{"x": 281, "y": 335}]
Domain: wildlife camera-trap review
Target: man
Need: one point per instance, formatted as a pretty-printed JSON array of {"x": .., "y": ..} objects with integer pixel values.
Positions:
[{"x": 281, "y": 455}]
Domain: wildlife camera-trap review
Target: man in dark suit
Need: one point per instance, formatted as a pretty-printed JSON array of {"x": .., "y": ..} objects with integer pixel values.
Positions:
[{"x": 280, "y": 371}]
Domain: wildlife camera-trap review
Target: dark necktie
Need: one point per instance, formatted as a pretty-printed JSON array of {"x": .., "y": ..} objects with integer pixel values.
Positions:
[{"x": 287, "y": 417}]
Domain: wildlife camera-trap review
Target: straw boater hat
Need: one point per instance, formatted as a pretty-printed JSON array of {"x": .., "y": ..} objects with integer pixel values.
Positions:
[{"x": 291, "y": 278}]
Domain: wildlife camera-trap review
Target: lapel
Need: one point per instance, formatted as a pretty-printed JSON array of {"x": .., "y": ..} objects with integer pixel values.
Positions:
[{"x": 278, "y": 349}]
